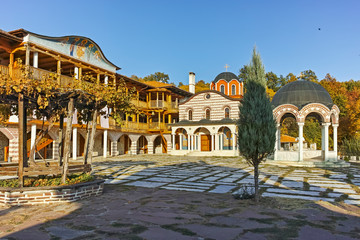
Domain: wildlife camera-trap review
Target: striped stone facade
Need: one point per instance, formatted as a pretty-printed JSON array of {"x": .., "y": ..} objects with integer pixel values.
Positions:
[{"x": 217, "y": 103}]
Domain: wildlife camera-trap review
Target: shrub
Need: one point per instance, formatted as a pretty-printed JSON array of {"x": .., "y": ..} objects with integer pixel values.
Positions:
[
  {"x": 351, "y": 147},
  {"x": 42, "y": 181},
  {"x": 246, "y": 191}
]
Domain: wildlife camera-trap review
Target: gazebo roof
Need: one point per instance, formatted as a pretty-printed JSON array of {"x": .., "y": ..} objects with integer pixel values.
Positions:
[{"x": 300, "y": 93}]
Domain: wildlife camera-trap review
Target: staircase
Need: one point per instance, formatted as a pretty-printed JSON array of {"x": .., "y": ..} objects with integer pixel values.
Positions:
[{"x": 43, "y": 143}]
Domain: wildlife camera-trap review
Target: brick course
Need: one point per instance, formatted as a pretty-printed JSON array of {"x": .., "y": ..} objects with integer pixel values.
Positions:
[{"x": 47, "y": 195}]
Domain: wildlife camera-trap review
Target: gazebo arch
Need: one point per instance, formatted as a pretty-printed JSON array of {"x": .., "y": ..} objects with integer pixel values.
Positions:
[{"x": 302, "y": 99}]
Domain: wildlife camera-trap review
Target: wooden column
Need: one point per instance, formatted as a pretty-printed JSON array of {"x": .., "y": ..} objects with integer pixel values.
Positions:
[
  {"x": 11, "y": 64},
  {"x": 80, "y": 73},
  {"x": 22, "y": 139},
  {"x": 98, "y": 78},
  {"x": 162, "y": 99},
  {"x": 137, "y": 98},
  {"x": 159, "y": 120},
  {"x": 157, "y": 100},
  {"x": 58, "y": 71},
  {"x": 27, "y": 55}
]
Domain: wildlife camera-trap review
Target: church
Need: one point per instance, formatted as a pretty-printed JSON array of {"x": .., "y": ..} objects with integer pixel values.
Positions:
[{"x": 207, "y": 119}]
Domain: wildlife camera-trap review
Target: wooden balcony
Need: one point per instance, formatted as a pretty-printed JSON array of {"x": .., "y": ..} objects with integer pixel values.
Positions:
[{"x": 140, "y": 104}]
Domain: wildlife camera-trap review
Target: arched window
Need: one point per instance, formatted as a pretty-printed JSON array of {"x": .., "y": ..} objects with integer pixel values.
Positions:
[
  {"x": 233, "y": 89},
  {"x": 207, "y": 114},
  {"x": 222, "y": 89},
  {"x": 227, "y": 113},
  {"x": 190, "y": 115}
]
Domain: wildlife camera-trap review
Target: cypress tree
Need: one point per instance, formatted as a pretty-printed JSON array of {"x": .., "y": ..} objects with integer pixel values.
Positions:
[{"x": 256, "y": 125}]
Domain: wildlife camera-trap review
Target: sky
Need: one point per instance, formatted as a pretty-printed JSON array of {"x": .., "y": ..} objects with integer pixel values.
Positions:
[{"x": 202, "y": 36}]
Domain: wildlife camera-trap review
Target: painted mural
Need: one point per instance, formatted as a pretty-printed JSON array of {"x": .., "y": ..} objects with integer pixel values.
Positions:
[{"x": 78, "y": 47}]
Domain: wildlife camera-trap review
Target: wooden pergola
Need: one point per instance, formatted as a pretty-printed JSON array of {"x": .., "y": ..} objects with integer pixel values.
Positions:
[{"x": 64, "y": 100}]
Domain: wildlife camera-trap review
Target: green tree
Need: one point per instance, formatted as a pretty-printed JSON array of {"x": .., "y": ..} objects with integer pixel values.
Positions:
[
  {"x": 243, "y": 73},
  {"x": 256, "y": 126},
  {"x": 158, "y": 76},
  {"x": 308, "y": 75},
  {"x": 272, "y": 81},
  {"x": 282, "y": 80},
  {"x": 312, "y": 131},
  {"x": 290, "y": 78}
]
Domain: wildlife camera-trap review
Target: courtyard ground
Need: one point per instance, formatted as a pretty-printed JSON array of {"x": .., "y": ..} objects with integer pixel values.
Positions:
[{"x": 165, "y": 197}]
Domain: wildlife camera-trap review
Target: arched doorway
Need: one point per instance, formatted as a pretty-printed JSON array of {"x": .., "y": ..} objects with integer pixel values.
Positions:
[
  {"x": 181, "y": 139},
  {"x": 142, "y": 145},
  {"x": 4, "y": 148},
  {"x": 225, "y": 139},
  {"x": 205, "y": 139},
  {"x": 160, "y": 145},
  {"x": 314, "y": 138},
  {"x": 124, "y": 144},
  {"x": 289, "y": 133}
]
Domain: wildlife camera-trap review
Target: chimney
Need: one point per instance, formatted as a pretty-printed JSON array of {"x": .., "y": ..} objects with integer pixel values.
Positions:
[{"x": 192, "y": 82}]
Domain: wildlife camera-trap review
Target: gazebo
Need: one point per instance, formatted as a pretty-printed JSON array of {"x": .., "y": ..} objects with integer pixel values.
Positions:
[{"x": 301, "y": 99}]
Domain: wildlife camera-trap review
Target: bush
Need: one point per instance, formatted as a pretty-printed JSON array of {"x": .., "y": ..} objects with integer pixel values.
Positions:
[
  {"x": 246, "y": 191},
  {"x": 42, "y": 181},
  {"x": 351, "y": 147}
]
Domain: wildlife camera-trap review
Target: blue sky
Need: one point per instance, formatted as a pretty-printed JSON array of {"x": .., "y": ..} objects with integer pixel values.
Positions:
[{"x": 179, "y": 36}]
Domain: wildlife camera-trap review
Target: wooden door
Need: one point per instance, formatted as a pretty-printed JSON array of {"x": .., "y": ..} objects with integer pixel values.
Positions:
[
  {"x": 205, "y": 143},
  {"x": 126, "y": 144},
  {"x": 82, "y": 145}
]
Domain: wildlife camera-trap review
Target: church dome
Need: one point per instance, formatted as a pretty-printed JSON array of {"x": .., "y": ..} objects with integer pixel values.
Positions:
[
  {"x": 300, "y": 93},
  {"x": 227, "y": 76}
]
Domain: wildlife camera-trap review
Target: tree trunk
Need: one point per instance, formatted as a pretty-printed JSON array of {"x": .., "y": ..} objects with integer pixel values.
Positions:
[
  {"x": 22, "y": 139},
  {"x": 41, "y": 134},
  {"x": 86, "y": 146},
  {"x": 67, "y": 140},
  {"x": 61, "y": 139},
  {"x": 92, "y": 137},
  {"x": 256, "y": 179}
]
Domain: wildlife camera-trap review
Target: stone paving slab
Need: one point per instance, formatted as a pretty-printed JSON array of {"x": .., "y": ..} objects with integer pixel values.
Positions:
[{"x": 217, "y": 176}]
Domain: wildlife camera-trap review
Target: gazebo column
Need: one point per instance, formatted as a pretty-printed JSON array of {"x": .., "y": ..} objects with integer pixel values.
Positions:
[
  {"x": 322, "y": 141},
  {"x": 278, "y": 132},
  {"x": 326, "y": 141},
  {"x": 301, "y": 152},
  {"x": 335, "y": 127},
  {"x": 277, "y": 135}
]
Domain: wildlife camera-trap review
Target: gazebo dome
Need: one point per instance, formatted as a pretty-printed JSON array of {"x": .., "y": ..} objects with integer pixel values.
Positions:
[
  {"x": 227, "y": 76},
  {"x": 300, "y": 93}
]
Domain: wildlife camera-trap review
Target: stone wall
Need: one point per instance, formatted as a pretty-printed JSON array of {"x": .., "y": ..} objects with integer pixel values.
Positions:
[{"x": 47, "y": 195}]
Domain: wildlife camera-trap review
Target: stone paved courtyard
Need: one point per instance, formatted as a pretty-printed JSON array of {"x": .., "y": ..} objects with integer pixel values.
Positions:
[
  {"x": 164, "y": 197},
  {"x": 225, "y": 175}
]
